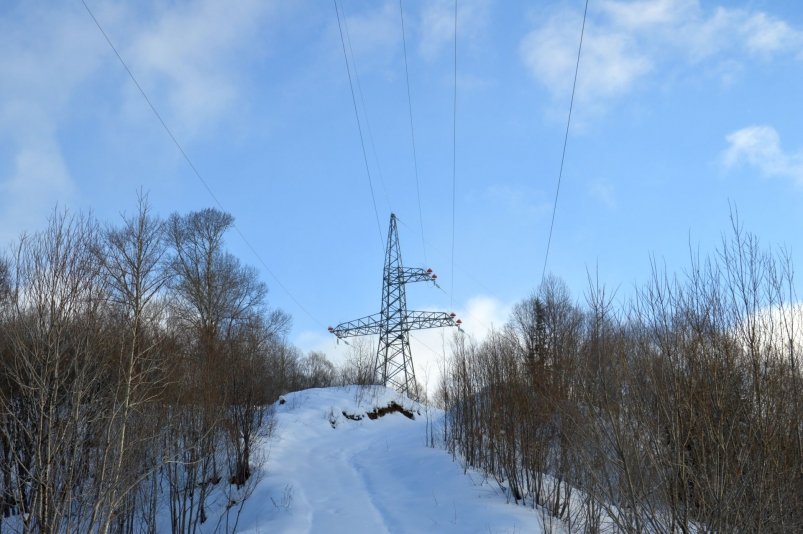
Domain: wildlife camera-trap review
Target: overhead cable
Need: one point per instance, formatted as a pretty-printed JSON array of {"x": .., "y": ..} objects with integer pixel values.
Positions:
[
  {"x": 359, "y": 125},
  {"x": 412, "y": 132},
  {"x": 565, "y": 142},
  {"x": 194, "y": 168},
  {"x": 454, "y": 151}
]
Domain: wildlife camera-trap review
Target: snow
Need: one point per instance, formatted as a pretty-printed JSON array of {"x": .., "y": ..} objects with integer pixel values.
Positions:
[{"x": 329, "y": 474}]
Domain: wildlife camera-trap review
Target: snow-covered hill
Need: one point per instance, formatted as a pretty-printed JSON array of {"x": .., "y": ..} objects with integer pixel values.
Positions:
[{"x": 329, "y": 473}]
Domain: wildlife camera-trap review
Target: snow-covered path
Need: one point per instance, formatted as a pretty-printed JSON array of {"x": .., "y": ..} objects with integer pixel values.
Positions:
[{"x": 371, "y": 476}]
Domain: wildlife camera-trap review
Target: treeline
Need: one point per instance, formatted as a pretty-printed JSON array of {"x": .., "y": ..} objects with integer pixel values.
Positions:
[
  {"x": 678, "y": 411},
  {"x": 138, "y": 363}
]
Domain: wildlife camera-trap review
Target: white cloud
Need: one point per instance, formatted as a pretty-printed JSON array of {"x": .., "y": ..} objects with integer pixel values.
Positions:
[
  {"x": 521, "y": 201},
  {"x": 626, "y": 41},
  {"x": 436, "y": 26},
  {"x": 610, "y": 62},
  {"x": 766, "y": 35},
  {"x": 40, "y": 180},
  {"x": 191, "y": 58},
  {"x": 374, "y": 35},
  {"x": 195, "y": 55},
  {"x": 604, "y": 193},
  {"x": 760, "y": 147},
  {"x": 647, "y": 14},
  {"x": 479, "y": 314},
  {"x": 47, "y": 54}
]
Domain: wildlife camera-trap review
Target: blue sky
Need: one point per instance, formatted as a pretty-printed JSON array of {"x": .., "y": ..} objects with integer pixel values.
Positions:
[{"x": 682, "y": 107}]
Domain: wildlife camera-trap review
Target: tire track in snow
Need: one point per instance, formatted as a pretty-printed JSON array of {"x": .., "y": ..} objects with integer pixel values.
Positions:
[
  {"x": 369, "y": 476},
  {"x": 330, "y": 482}
]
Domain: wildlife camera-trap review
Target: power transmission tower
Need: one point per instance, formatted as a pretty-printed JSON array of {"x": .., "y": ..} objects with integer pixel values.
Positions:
[{"x": 393, "y": 365}]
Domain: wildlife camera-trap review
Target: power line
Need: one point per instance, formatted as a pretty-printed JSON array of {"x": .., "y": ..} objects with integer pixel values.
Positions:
[
  {"x": 192, "y": 165},
  {"x": 412, "y": 132},
  {"x": 460, "y": 268},
  {"x": 359, "y": 125},
  {"x": 365, "y": 109},
  {"x": 565, "y": 142},
  {"x": 454, "y": 151}
]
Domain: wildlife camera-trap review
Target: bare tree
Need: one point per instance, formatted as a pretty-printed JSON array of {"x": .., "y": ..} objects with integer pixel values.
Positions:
[
  {"x": 132, "y": 257},
  {"x": 317, "y": 371},
  {"x": 137, "y": 365},
  {"x": 214, "y": 300},
  {"x": 680, "y": 412},
  {"x": 53, "y": 370},
  {"x": 358, "y": 369}
]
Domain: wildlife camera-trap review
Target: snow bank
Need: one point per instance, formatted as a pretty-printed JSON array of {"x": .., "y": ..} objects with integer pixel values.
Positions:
[{"x": 332, "y": 469}]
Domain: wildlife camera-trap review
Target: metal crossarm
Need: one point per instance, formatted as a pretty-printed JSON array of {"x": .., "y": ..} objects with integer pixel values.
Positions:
[
  {"x": 415, "y": 275},
  {"x": 364, "y": 326},
  {"x": 425, "y": 319},
  {"x": 394, "y": 364}
]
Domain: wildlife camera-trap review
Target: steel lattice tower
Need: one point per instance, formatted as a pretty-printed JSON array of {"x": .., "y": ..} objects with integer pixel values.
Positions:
[{"x": 393, "y": 364}]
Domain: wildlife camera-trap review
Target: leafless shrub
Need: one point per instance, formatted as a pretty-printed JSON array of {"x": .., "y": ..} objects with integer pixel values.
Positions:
[
  {"x": 679, "y": 412},
  {"x": 360, "y": 365},
  {"x": 137, "y": 366}
]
